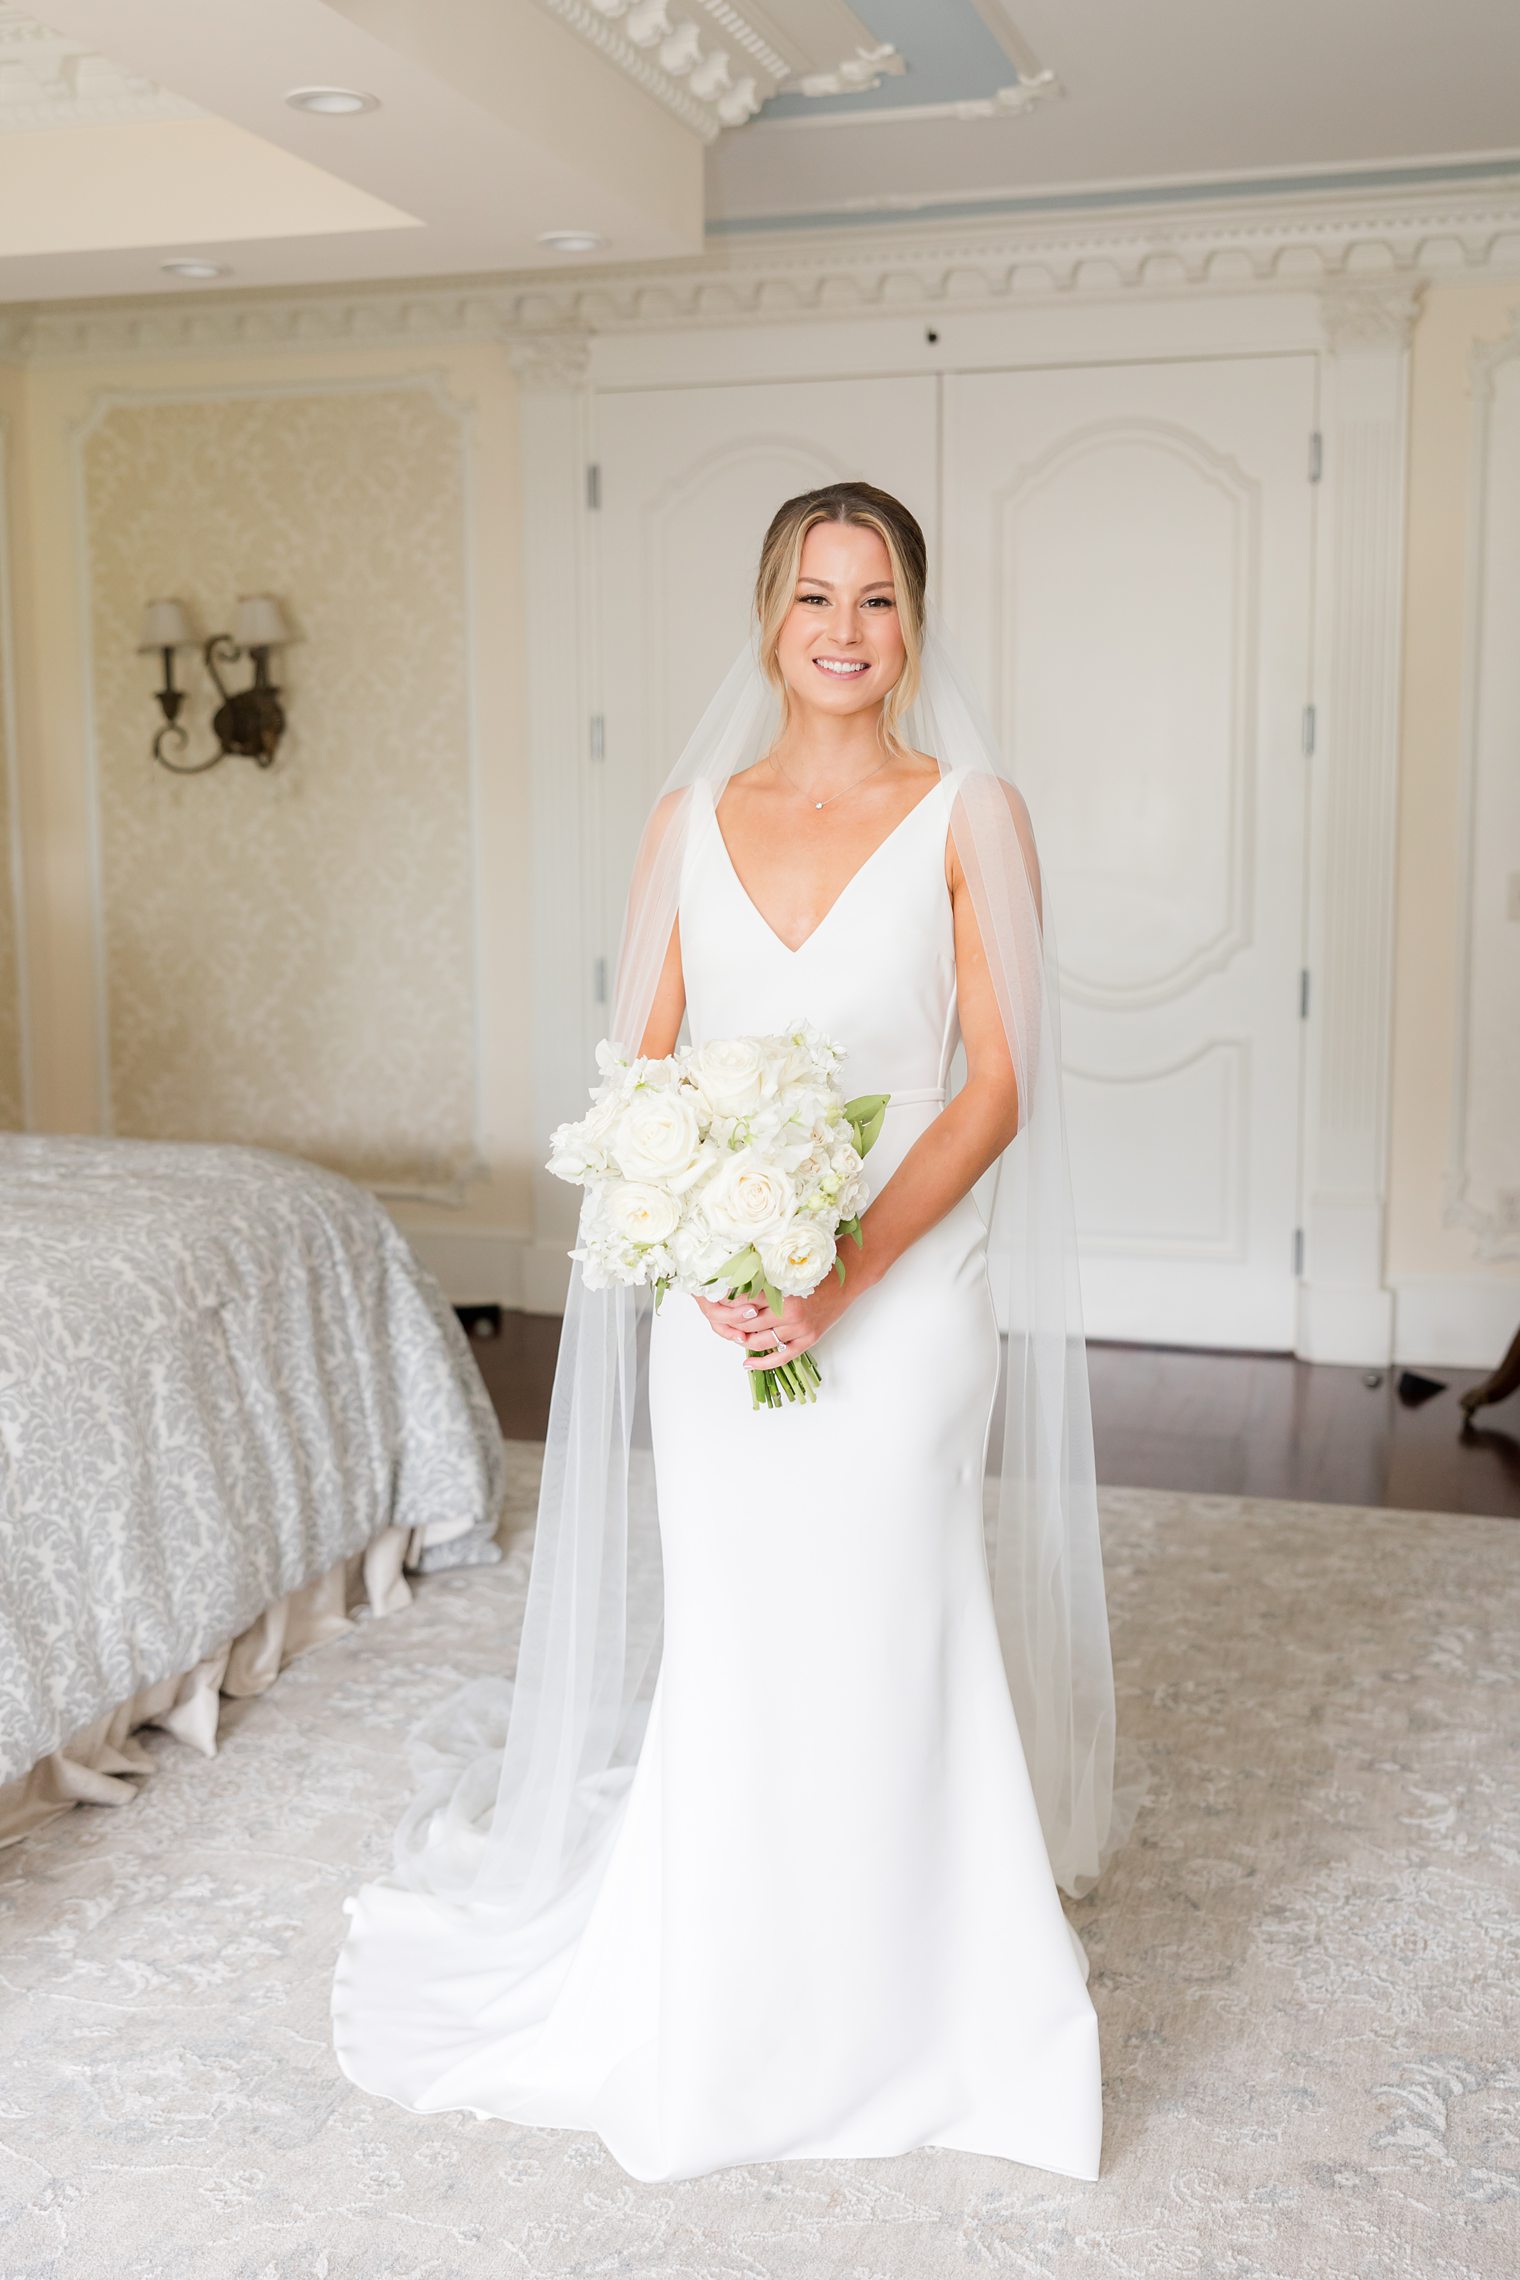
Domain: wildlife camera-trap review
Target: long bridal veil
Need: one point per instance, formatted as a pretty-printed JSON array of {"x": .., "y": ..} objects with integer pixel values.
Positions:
[{"x": 520, "y": 1780}]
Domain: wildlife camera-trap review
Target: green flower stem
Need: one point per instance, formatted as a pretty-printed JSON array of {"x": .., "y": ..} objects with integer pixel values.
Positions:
[{"x": 796, "y": 1380}]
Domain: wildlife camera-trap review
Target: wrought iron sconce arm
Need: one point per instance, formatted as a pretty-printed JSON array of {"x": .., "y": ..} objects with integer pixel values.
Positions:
[{"x": 249, "y": 722}]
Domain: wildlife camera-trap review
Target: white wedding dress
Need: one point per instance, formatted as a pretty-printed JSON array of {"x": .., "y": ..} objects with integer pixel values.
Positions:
[{"x": 824, "y": 1922}]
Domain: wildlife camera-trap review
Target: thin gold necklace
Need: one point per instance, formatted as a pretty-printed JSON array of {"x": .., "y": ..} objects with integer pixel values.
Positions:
[{"x": 833, "y": 796}]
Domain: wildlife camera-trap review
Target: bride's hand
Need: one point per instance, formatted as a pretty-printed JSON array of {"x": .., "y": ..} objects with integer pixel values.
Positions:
[{"x": 750, "y": 1323}]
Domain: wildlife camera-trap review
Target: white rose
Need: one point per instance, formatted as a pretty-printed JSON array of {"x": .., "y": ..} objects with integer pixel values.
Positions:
[
  {"x": 747, "y": 1198},
  {"x": 657, "y": 1137},
  {"x": 732, "y": 1072},
  {"x": 797, "y": 1259},
  {"x": 636, "y": 1212}
]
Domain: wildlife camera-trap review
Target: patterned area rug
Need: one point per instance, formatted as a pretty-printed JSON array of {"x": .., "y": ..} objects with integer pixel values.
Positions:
[{"x": 1305, "y": 1967}]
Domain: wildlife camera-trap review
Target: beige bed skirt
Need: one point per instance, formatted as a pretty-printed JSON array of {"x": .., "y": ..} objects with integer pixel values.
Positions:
[{"x": 91, "y": 1767}]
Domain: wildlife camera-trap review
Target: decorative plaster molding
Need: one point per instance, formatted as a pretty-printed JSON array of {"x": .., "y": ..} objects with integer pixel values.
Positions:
[
  {"x": 1345, "y": 1306},
  {"x": 856, "y": 75},
  {"x": 1357, "y": 315},
  {"x": 47, "y": 80},
  {"x": 1494, "y": 1225},
  {"x": 551, "y": 360},
  {"x": 666, "y": 56},
  {"x": 1486, "y": 356},
  {"x": 736, "y": 25},
  {"x": 1007, "y": 102},
  {"x": 1229, "y": 247}
]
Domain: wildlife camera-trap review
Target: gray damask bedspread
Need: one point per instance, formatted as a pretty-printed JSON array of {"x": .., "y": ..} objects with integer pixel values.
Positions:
[{"x": 221, "y": 1369}]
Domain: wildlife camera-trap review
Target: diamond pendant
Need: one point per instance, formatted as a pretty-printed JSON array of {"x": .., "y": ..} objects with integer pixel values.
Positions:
[{"x": 817, "y": 803}]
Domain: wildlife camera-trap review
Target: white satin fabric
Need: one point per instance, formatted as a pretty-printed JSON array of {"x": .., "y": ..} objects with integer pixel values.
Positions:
[{"x": 822, "y": 1920}]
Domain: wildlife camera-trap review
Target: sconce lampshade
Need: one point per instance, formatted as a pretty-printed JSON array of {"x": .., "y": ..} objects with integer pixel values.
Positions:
[
  {"x": 258, "y": 622},
  {"x": 166, "y": 625}
]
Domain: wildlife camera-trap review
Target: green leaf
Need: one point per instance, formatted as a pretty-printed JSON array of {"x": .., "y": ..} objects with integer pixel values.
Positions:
[
  {"x": 741, "y": 1266},
  {"x": 863, "y": 1107},
  {"x": 773, "y": 1298},
  {"x": 839, "y": 1268}
]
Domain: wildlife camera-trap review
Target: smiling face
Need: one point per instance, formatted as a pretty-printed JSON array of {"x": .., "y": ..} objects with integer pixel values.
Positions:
[{"x": 840, "y": 647}]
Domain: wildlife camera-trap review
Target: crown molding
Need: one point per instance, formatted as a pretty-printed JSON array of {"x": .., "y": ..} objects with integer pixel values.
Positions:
[
  {"x": 713, "y": 63},
  {"x": 48, "y": 80},
  {"x": 1367, "y": 256}
]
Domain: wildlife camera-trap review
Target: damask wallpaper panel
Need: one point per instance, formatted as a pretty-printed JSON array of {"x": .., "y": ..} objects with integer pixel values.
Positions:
[
  {"x": 12, "y": 1103},
  {"x": 288, "y": 954}
]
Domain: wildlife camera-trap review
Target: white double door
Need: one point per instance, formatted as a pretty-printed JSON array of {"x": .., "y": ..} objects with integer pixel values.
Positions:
[{"x": 1124, "y": 554}]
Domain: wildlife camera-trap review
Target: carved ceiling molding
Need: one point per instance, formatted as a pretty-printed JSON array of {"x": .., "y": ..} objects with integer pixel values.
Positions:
[
  {"x": 665, "y": 54},
  {"x": 1368, "y": 262},
  {"x": 47, "y": 80},
  {"x": 1008, "y": 102},
  {"x": 715, "y": 62}
]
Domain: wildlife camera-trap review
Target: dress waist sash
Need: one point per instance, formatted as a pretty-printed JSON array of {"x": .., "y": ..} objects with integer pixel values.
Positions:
[{"x": 907, "y": 1093}]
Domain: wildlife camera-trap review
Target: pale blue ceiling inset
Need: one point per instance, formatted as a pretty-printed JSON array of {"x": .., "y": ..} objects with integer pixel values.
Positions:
[{"x": 949, "y": 52}]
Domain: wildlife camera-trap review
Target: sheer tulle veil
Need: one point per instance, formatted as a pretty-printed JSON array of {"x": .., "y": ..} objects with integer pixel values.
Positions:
[{"x": 520, "y": 1780}]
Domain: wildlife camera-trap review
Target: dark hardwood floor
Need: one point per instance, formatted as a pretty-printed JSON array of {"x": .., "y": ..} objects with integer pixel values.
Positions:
[{"x": 1221, "y": 1424}]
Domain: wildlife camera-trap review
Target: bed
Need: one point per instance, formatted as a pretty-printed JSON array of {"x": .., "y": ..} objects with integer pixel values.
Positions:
[{"x": 233, "y": 1409}]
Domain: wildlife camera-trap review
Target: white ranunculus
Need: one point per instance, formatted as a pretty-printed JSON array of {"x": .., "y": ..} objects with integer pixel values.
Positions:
[
  {"x": 797, "y": 1259},
  {"x": 635, "y": 1211},
  {"x": 657, "y": 1137},
  {"x": 733, "y": 1072},
  {"x": 747, "y": 1198}
]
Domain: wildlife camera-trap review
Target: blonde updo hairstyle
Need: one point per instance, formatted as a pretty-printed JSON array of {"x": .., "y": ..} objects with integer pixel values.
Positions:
[{"x": 776, "y": 581}]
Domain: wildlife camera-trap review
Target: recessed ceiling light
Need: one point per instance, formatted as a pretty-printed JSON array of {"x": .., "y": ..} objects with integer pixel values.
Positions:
[
  {"x": 571, "y": 241},
  {"x": 331, "y": 102},
  {"x": 196, "y": 269}
]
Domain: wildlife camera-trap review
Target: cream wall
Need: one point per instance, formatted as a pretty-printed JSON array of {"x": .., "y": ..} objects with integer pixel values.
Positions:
[
  {"x": 330, "y": 956},
  {"x": 287, "y": 957},
  {"x": 1440, "y": 1279}
]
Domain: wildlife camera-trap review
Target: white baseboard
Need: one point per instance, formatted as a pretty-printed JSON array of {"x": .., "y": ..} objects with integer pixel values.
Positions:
[
  {"x": 1344, "y": 1322},
  {"x": 476, "y": 1266},
  {"x": 545, "y": 1278},
  {"x": 1454, "y": 1321}
]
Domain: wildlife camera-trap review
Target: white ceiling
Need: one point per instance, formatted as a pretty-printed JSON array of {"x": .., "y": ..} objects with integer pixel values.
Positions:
[
  {"x": 1142, "y": 98},
  {"x": 138, "y": 131}
]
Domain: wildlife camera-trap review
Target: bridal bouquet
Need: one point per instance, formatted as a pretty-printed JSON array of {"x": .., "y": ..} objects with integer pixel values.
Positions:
[{"x": 726, "y": 1169}]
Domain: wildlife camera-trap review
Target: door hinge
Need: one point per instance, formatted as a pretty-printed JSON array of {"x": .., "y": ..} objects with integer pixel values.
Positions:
[
  {"x": 1303, "y": 993},
  {"x": 599, "y": 982},
  {"x": 1311, "y": 723},
  {"x": 1316, "y": 456},
  {"x": 1298, "y": 1250},
  {"x": 598, "y": 737},
  {"x": 593, "y": 486}
]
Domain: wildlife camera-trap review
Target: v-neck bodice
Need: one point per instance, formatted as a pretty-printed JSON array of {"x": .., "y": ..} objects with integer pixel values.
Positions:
[{"x": 877, "y": 973}]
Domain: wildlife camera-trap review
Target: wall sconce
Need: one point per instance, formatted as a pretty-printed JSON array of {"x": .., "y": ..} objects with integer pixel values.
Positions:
[{"x": 248, "y": 722}]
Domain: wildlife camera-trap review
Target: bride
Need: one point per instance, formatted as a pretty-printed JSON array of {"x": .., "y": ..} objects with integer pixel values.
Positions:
[{"x": 757, "y": 1855}]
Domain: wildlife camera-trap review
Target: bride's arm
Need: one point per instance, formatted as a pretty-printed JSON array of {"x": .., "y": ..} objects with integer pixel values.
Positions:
[
  {"x": 667, "y": 1008},
  {"x": 666, "y": 1013}
]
